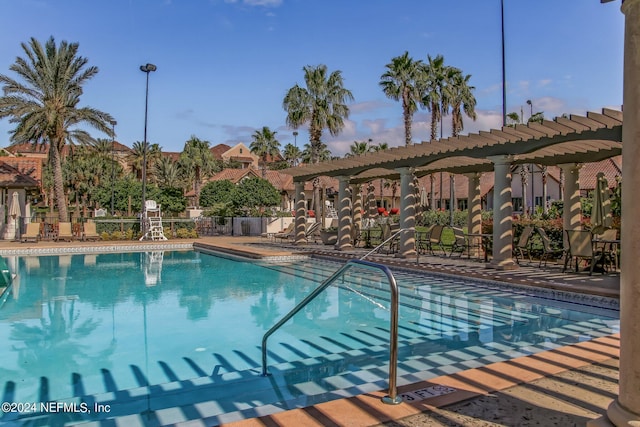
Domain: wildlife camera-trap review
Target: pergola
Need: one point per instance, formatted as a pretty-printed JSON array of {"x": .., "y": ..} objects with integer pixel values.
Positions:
[{"x": 566, "y": 141}]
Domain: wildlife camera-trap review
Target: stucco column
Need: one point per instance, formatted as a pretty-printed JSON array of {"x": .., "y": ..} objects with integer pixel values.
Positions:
[
  {"x": 571, "y": 212},
  {"x": 474, "y": 217},
  {"x": 301, "y": 214},
  {"x": 502, "y": 211},
  {"x": 356, "y": 202},
  {"x": 625, "y": 410},
  {"x": 371, "y": 199},
  {"x": 407, "y": 245},
  {"x": 344, "y": 215}
]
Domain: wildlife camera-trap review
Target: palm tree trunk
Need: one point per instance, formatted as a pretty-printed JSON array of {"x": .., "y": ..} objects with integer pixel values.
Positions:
[{"x": 58, "y": 183}]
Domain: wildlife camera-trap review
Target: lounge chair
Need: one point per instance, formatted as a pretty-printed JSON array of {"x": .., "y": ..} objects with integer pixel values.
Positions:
[
  {"x": 32, "y": 234},
  {"x": 89, "y": 231},
  {"x": 581, "y": 247},
  {"x": 64, "y": 231},
  {"x": 284, "y": 234},
  {"x": 548, "y": 250},
  {"x": 524, "y": 244},
  {"x": 311, "y": 232}
]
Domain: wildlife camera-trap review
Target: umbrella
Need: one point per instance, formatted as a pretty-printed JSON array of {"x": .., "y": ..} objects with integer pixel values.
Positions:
[
  {"x": 601, "y": 213},
  {"x": 14, "y": 213},
  {"x": 423, "y": 197}
]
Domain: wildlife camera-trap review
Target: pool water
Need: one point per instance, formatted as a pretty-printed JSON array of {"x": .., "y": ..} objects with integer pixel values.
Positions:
[{"x": 183, "y": 328}]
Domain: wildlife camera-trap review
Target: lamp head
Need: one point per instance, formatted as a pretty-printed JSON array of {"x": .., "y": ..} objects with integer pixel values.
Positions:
[
  {"x": 113, "y": 122},
  {"x": 148, "y": 68}
]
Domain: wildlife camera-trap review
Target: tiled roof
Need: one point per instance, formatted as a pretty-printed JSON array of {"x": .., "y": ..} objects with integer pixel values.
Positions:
[
  {"x": 610, "y": 168},
  {"x": 28, "y": 166},
  {"x": 173, "y": 155},
  {"x": 218, "y": 150},
  {"x": 11, "y": 177}
]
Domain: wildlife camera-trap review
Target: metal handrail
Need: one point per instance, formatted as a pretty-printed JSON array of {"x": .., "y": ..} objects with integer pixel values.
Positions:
[
  {"x": 393, "y": 236},
  {"x": 392, "y": 398}
]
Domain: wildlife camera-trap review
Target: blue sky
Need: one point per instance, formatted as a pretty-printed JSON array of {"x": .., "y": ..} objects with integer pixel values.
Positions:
[{"x": 224, "y": 66}]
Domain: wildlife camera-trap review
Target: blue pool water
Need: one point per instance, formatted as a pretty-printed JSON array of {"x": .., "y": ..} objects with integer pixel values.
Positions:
[{"x": 180, "y": 327}]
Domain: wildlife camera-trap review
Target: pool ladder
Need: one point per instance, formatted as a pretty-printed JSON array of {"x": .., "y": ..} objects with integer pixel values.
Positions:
[{"x": 392, "y": 397}]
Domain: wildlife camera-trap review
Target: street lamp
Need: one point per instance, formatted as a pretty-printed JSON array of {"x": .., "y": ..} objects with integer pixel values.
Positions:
[
  {"x": 113, "y": 167},
  {"x": 146, "y": 69},
  {"x": 531, "y": 107},
  {"x": 295, "y": 142}
]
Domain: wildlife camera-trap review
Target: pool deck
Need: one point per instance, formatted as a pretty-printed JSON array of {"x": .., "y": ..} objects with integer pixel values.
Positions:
[{"x": 564, "y": 386}]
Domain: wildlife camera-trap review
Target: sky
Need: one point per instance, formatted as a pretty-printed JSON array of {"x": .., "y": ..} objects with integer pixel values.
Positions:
[{"x": 224, "y": 66}]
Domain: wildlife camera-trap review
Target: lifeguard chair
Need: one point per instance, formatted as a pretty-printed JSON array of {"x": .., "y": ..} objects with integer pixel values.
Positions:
[{"x": 152, "y": 221}]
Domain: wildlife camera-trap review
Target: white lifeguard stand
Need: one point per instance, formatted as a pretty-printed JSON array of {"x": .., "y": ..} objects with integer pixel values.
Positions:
[{"x": 152, "y": 221}]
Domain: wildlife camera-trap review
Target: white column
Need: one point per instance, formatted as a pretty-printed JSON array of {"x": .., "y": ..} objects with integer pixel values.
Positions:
[
  {"x": 571, "y": 211},
  {"x": 344, "y": 214},
  {"x": 502, "y": 211},
  {"x": 407, "y": 245},
  {"x": 474, "y": 217},
  {"x": 301, "y": 214},
  {"x": 625, "y": 410}
]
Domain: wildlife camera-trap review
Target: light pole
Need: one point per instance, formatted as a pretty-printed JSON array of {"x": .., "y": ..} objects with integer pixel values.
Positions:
[
  {"x": 295, "y": 143},
  {"x": 113, "y": 167},
  {"x": 145, "y": 69},
  {"x": 531, "y": 107}
]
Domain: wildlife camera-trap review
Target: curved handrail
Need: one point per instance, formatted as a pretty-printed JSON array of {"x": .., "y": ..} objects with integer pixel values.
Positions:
[
  {"x": 392, "y": 397},
  {"x": 393, "y": 236}
]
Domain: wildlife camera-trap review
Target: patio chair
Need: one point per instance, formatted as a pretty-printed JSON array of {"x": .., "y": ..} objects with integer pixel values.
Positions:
[
  {"x": 435, "y": 239},
  {"x": 391, "y": 246},
  {"x": 312, "y": 232},
  {"x": 581, "y": 247},
  {"x": 524, "y": 244},
  {"x": 89, "y": 231},
  {"x": 460, "y": 243},
  {"x": 32, "y": 233},
  {"x": 548, "y": 249},
  {"x": 64, "y": 231},
  {"x": 607, "y": 242}
]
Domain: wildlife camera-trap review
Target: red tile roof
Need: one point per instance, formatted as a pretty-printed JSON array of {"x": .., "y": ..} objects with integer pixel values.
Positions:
[
  {"x": 11, "y": 177},
  {"x": 218, "y": 150},
  {"x": 28, "y": 166}
]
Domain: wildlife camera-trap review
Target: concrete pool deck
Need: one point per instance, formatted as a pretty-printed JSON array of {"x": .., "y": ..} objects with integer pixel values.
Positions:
[{"x": 564, "y": 386}]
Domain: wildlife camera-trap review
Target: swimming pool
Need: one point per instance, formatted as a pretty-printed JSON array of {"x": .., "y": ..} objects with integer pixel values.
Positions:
[{"x": 176, "y": 335}]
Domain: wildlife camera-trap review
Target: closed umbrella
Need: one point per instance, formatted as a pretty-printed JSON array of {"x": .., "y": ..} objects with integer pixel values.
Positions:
[
  {"x": 14, "y": 214},
  {"x": 423, "y": 197},
  {"x": 601, "y": 211}
]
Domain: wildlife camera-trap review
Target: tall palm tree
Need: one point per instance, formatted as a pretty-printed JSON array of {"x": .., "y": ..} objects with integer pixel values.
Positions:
[
  {"x": 402, "y": 82},
  {"x": 322, "y": 104},
  {"x": 197, "y": 161},
  {"x": 264, "y": 145},
  {"x": 292, "y": 154},
  {"x": 461, "y": 99},
  {"x": 45, "y": 107},
  {"x": 435, "y": 77}
]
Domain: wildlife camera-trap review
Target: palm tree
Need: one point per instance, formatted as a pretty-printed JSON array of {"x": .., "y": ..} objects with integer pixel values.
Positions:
[
  {"x": 461, "y": 99},
  {"x": 381, "y": 147},
  {"x": 292, "y": 154},
  {"x": 265, "y": 145},
  {"x": 434, "y": 99},
  {"x": 136, "y": 157},
  {"x": 168, "y": 173},
  {"x": 45, "y": 105},
  {"x": 358, "y": 148},
  {"x": 197, "y": 161},
  {"x": 401, "y": 81},
  {"x": 322, "y": 105}
]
